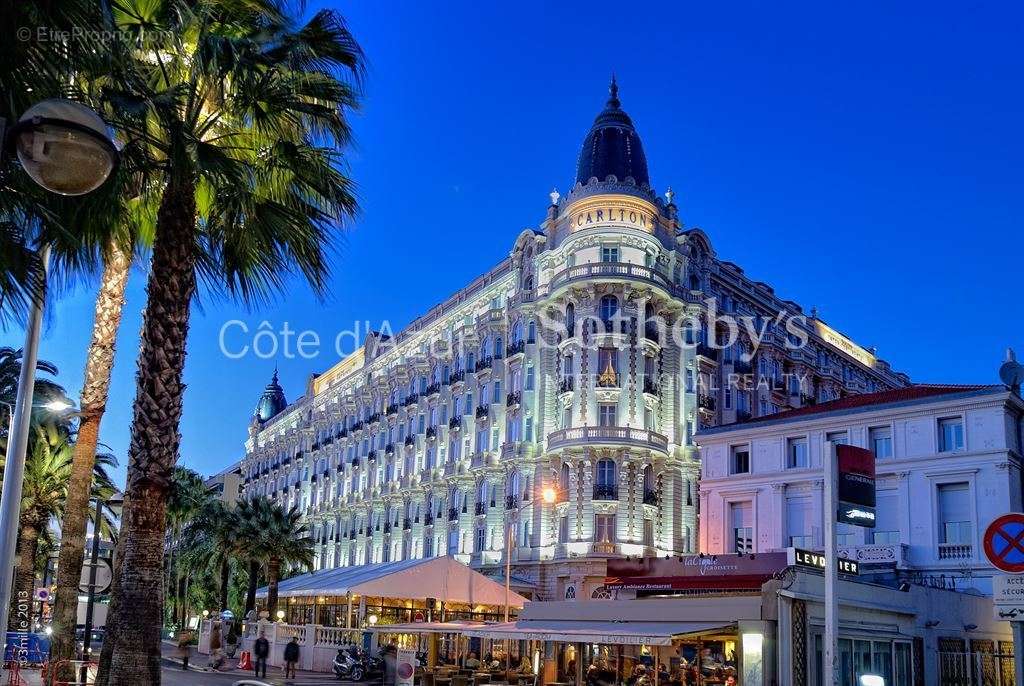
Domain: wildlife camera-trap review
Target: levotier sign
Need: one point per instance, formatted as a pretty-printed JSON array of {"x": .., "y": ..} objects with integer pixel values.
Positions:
[{"x": 694, "y": 572}]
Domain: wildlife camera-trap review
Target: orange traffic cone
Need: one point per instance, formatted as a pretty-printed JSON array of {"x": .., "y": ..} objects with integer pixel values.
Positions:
[{"x": 245, "y": 661}]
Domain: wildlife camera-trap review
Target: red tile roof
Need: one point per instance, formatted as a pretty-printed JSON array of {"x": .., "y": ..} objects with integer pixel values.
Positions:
[{"x": 896, "y": 395}]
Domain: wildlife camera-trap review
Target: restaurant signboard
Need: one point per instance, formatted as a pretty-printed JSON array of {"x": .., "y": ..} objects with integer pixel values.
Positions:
[{"x": 694, "y": 572}]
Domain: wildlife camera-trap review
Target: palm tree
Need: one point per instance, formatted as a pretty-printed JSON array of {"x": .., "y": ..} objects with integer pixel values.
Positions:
[
  {"x": 253, "y": 516},
  {"x": 211, "y": 543},
  {"x": 47, "y": 474},
  {"x": 188, "y": 496},
  {"x": 283, "y": 541},
  {"x": 243, "y": 111},
  {"x": 10, "y": 376}
]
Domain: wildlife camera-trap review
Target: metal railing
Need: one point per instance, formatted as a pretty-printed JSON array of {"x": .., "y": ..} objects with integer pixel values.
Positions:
[{"x": 956, "y": 551}]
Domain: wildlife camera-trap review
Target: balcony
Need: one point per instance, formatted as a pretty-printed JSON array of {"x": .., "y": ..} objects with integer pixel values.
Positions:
[
  {"x": 956, "y": 551},
  {"x": 480, "y": 509},
  {"x": 431, "y": 433},
  {"x": 566, "y": 385},
  {"x": 406, "y": 524},
  {"x": 387, "y": 528},
  {"x": 409, "y": 440},
  {"x": 433, "y": 389},
  {"x": 618, "y": 271},
  {"x": 411, "y": 400},
  {"x": 877, "y": 554},
  {"x": 453, "y": 514},
  {"x": 650, "y": 496},
  {"x": 652, "y": 387},
  {"x": 606, "y": 492},
  {"x": 511, "y": 502},
  {"x": 707, "y": 402},
  {"x": 609, "y": 435},
  {"x": 457, "y": 377},
  {"x": 455, "y": 423},
  {"x": 514, "y": 400},
  {"x": 373, "y": 418},
  {"x": 515, "y": 348},
  {"x": 428, "y": 520},
  {"x": 483, "y": 364},
  {"x": 389, "y": 449},
  {"x": 705, "y": 350},
  {"x": 482, "y": 412},
  {"x": 371, "y": 456}
]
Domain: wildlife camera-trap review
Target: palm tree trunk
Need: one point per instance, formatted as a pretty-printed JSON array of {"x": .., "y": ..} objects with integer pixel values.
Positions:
[
  {"x": 273, "y": 576},
  {"x": 99, "y": 362},
  {"x": 250, "y": 591},
  {"x": 225, "y": 577},
  {"x": 155, "y": 438},
  {"x": 24, "y": 578}
]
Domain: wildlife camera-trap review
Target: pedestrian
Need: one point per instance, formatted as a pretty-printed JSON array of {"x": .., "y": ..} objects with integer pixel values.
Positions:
[
  {"x": 291, "y": 656},
  {"x": 184, "y": 639},
  {"x": 215, "y": 644},
  {"x": 261, "y": 650}
]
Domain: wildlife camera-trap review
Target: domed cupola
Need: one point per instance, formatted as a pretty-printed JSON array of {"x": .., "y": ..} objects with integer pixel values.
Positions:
[
  {"x": 272, "y": 402},
  {"x": 612, "y": 147}
]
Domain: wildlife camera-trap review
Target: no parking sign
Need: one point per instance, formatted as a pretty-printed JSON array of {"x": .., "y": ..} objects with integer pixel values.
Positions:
[{"x": 1004, "y": 543}]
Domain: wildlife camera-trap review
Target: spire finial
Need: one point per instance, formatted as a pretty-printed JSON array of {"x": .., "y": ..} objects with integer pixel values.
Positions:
[
  {"x": 613, "y": 93},
  {"x": 274, "y": 377}
]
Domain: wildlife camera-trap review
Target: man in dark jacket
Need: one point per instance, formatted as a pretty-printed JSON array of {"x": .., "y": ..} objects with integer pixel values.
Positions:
[
  {"x": 291, "y": 657},
  {"x": 261, "y": 650}
]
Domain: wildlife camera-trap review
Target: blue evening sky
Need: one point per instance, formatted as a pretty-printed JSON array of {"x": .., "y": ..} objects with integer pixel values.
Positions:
[{"x": 864, "y": 159}]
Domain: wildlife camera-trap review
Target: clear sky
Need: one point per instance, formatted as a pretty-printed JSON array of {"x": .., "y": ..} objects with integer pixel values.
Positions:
[{"x": 863, "y": 159}]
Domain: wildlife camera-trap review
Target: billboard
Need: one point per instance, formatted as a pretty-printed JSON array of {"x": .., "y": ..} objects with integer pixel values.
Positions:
[
  {"x": 855, "y": 486},
  {"x": 694, "y": 572}
]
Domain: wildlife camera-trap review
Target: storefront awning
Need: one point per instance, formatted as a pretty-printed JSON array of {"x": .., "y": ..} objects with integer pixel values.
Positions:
[
  {"x": 601, "y": 632},
  {"x": 456, "y": 627},
  {"x": 443, "y": 578}
]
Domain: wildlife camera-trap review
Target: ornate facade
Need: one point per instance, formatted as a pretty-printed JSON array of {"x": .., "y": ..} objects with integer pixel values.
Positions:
[{"x": 579, "y": 368}]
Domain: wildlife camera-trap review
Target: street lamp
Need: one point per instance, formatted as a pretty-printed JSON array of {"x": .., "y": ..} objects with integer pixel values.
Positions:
[
  {"x": 548, "y": 496},
  {"x": 65, "y": 148},
  {"x": 114, "y": 503}
]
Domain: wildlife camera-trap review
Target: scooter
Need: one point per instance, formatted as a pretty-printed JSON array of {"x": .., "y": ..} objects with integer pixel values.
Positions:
[{"x": 345, "y": 662}]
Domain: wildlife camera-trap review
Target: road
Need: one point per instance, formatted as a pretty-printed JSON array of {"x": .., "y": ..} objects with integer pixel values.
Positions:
[{"x": 175, "y": 676}]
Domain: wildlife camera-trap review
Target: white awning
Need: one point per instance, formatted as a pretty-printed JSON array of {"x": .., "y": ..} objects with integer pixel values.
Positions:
[
  {"x": 601, "y": 632},
  {"x": 456, "y": 627},
  {"x": 443, "y": 578}
]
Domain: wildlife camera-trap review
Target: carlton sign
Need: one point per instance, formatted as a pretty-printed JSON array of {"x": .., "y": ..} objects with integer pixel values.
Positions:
[{"x": 620, "y": 213}]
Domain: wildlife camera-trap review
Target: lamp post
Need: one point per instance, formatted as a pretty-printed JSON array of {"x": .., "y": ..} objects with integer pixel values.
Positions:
[
  {"x": 64, "y": 147},
  {"x": 113, "y": 503}
]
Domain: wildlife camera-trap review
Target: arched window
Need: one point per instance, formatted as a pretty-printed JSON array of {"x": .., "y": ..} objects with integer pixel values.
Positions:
[
  {"x": 497, "y": 346},
  {"x": 517, "y": 332},
  {"x": 528, "y": 283},
  {"x": 531, "y": 332},
  {"x": 601, "y": 593},
  {"x": 570, "y": 319},
  {"x": 648, "y": 479},
  {"x": 694, "y": 282},
  {"x": 483, "y": 347},
  {"x": 563, "y": 477},
  {"x": 609, "y": 307},
  {"x": 606, "y": 473}
]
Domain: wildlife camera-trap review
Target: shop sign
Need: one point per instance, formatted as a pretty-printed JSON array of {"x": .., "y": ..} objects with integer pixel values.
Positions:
[
  {"x": 694, "y": 571},
  {"x": 855, "y": 486},
  {"x": 811, "y": 560}
]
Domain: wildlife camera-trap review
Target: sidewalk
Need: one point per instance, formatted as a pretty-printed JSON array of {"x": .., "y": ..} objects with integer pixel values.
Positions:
[{"x": 197, "y": 663}]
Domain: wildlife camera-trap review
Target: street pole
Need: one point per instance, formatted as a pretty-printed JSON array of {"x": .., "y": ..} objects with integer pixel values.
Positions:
[
  {"x": 94, "y": 560},
  {"x": 508, "y": 567},
  {"x": 1018, "y": 651},
  {"x": 17, "y": 445},
  {"x": 831, "y": 577}
]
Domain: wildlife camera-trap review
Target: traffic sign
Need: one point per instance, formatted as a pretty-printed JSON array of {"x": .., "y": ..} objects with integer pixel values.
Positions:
[
  {"x": 1008, "y": 613},
  {"x": 1004, "y": 543}
]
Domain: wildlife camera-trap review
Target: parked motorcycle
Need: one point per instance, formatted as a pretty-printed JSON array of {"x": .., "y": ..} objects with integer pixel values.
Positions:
[{"x": 354, "y": 664}]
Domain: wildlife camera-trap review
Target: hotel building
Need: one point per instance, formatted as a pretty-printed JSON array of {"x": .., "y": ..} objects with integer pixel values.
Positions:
[{"x": 578, "y": 370}]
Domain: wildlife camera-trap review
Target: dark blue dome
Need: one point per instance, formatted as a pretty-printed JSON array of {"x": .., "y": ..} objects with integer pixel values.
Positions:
[
  {"x": 272, "y": 402},
  {"x": 612, "y": 147}
]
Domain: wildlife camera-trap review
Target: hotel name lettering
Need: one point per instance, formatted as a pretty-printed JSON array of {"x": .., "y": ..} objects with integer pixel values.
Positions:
[{"x": 622, "y": 216}]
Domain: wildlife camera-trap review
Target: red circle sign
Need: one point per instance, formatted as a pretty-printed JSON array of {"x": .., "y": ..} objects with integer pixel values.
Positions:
[
  {"x": 1004, "y": 543},
  {"x": 418, "y": 617}
]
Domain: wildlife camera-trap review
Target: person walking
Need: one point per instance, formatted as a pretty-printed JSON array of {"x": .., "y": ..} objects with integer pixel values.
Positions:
[
  {"x": 291, "y": 657},
  {"x": 215, "y": 643},
  {"x": 261, "y": 651},
  {"x": 184, "y": 639}
]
